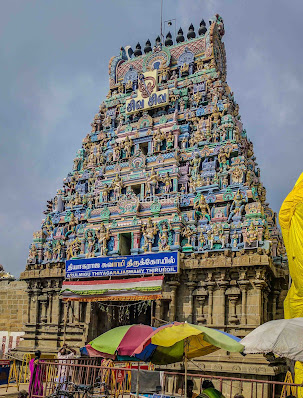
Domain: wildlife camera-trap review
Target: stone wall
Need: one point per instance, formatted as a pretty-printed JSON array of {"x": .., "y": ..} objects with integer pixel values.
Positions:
[{"x": 13, "y": 306}]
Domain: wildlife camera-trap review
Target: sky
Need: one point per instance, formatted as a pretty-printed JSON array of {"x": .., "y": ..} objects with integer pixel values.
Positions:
[{"x": 54, "y": 74}]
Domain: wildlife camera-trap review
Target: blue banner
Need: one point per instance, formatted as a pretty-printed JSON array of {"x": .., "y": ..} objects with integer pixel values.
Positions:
[{"x": 140, "y": 264}]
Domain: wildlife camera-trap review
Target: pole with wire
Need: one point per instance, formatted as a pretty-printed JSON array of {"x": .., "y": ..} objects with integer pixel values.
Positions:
[{"x": 161, "y": 27}]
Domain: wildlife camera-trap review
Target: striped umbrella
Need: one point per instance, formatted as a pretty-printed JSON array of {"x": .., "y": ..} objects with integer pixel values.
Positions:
[{"x": 119, "y": 343}]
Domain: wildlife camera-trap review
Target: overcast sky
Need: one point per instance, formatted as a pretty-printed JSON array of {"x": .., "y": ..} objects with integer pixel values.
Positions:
[{"x": 54, "y": 74}]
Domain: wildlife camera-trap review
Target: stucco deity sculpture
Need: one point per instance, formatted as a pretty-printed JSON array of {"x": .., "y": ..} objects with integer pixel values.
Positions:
[
  {"x": 149, "y": 231},
  {"x": 163, "y": 239},
  {"x": 117, "y": 186},
  {"x": 152, "y": 182},
  {"x": 237, "y": 207},
  {"x": 103, "y": 237},
  {"x": 202, "y": 208}
]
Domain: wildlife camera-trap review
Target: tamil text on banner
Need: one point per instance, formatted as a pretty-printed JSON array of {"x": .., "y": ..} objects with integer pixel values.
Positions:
[
  {"x": 147, "y": 95},
  {"x": 140, "y": 264}
]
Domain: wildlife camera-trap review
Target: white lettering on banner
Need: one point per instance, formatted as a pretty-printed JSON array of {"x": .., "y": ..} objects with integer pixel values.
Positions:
[{"x": 153, "y": 263}]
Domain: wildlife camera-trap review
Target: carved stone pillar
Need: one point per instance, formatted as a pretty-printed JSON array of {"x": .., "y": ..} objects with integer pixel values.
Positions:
[
  {"x": 233, "y": 296},
  {"x": 142, "y": 191},
  {"x": 175, "y": 185},
  {"x": 173, "y": 308},
  {"x": 176, "y": 138},
  {"x": 50, "y": 306},
  {"x": 116, "y": 242},
  {"x": 276, "y": 294},
  {"x": 158, "y": 314},
  {"x": 177, "y": 236},
  {"x": 201, "y": 295},
  {"x": 191, "y": 287},
  {"x": 244, "y": 287},
  {"x": 221, "y": 305},
  {"x": 44, "y": 303},
  {"x": 30, "y": 294},
  {"x": 36, "y": 307},
  {"x": 210, "y": 288},
  {"x": 259, "y": 285},
  {"x": 136, "y": 243}
]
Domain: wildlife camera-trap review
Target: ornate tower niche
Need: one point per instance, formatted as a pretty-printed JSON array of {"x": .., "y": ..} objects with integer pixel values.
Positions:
[{"x": 166, "y": 167}]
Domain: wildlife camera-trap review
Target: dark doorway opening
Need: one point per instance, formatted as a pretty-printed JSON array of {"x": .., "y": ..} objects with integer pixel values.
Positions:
[
  {"x": 111, "y": 314},
  {"x": 144, "y": 147},
  {"x": 125, "y": 244}
]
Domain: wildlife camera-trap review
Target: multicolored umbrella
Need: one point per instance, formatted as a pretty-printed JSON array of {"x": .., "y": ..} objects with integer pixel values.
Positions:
[
  {"x": 176, "y": 341},
  {"x": 119, "y": 343}
]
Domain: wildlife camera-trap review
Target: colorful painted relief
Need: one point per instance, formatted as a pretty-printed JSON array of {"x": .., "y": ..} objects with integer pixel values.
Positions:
[{"x": 166, "y": 167}]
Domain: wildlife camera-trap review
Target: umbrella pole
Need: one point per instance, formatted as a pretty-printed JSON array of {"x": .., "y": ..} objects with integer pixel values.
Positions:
[
  {"x": 185, "y": 375},
  {"x": 137, "y": 384}
]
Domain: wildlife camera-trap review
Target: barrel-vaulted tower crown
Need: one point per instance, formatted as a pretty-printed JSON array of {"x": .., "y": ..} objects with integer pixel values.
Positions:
[{"x": 202, "y": 52}]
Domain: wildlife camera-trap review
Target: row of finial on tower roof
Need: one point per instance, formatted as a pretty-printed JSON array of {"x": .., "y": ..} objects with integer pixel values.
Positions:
[{"x": 169, "y": 41}]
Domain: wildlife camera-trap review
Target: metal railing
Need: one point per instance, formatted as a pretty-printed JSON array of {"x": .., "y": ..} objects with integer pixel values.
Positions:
[{"x": 118, "y": 381}]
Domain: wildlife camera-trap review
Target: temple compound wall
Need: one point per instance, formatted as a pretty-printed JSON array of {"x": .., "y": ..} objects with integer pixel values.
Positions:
[
  {"x": 13, "y": 313},
  {"x": 164, "y": 216}
]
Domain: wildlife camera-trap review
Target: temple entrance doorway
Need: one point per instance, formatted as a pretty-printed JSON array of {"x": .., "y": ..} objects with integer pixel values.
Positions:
[
  {"x": 125, "y": 244},
  {"x": 110, "y": 314}
]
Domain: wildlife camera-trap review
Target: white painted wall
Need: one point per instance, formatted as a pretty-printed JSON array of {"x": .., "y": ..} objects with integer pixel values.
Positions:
[{"x": 9, "y": 340}]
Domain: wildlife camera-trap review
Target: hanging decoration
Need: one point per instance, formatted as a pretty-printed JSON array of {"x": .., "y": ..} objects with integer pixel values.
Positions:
[{"x": 122, "y": 311}]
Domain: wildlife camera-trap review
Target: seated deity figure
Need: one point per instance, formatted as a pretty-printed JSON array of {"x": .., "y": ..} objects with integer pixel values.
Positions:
[
  {"x": 237, "y": 175},
  {"x": 237, "y": 207},
  {"x": 33, "y": 254},
  {"x": 251, "y": 234},
  {"x": 92, "y": 158}
]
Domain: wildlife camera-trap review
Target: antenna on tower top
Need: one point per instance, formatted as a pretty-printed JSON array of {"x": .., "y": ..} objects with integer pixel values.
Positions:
[{"x": 161, "y": 29}]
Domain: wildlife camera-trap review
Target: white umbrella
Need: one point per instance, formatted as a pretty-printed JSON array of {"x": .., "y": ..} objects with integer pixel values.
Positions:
[{"x": 283, "y": 337}]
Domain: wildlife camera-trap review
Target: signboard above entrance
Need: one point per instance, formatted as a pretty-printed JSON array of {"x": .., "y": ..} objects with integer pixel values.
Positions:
[
  {"x": 140, "y": 264},
  {"x": 148, "y": 95}
]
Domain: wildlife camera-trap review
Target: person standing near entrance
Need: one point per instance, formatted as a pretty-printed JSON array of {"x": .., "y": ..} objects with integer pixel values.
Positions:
[
  {"x": 65, "y": 355},
  {"x": 35, "y": 382}
]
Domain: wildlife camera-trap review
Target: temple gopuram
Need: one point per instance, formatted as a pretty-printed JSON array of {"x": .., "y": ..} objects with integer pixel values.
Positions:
[{"x": 163, "y": 216}]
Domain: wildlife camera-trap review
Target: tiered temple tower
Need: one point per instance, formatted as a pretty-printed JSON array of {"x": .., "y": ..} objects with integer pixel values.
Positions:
[{"x": 167, "y": 168}]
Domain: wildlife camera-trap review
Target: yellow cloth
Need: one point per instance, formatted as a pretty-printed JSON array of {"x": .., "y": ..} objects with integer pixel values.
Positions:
[
  {"x": 299, "y": 378},
  {"x": 291, "y": 222}
]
